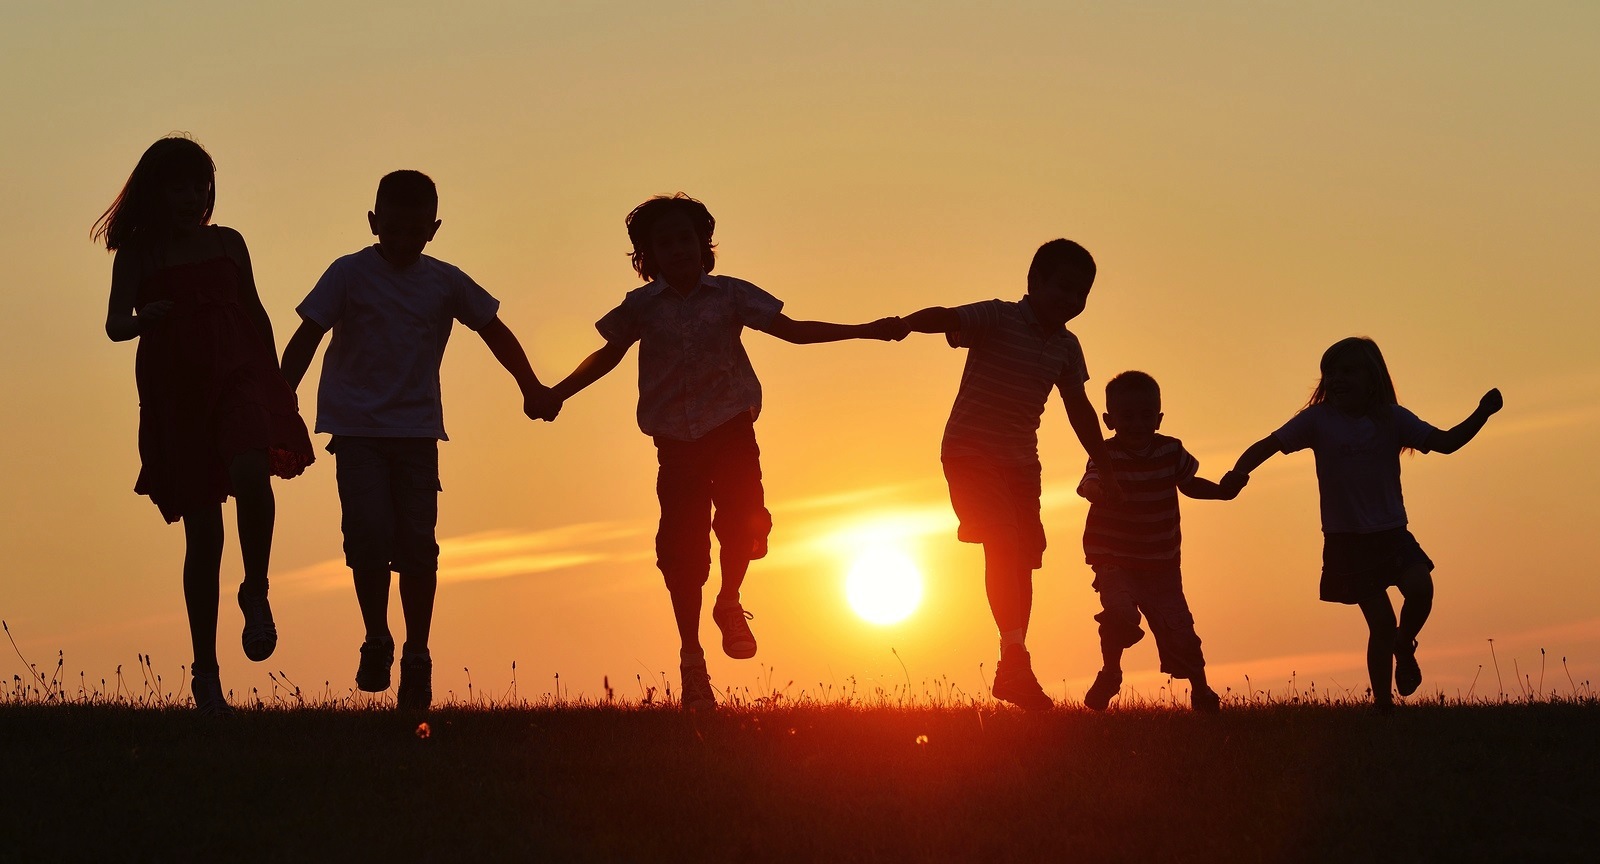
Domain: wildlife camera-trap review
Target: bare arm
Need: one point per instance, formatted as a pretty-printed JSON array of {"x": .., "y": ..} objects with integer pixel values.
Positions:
[
  {"x": 1453, "y": 439},
  {"x": 812, "y": 332},
  {"x": 592, "y": 369},
  {"x": 1250, "y": 460},
  {"x": 298, "y": 353},
  {"x": 1203, "y": 489},
  {"x": 536, "y": 399},
  {"x": 233, "y": 243},
  {"x": 1081, "y": 414},
  {"x": 122, "y": 321},
  {"x": 934, "y": 319}
]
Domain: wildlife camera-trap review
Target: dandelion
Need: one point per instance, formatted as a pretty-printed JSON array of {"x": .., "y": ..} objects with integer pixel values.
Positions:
[
  {"x": 922, "y": 740},
  {"x": 424, "y": 731}
]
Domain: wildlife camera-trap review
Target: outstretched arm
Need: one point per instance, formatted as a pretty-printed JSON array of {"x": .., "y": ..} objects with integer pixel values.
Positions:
[
  {"x": 812, "y": 332},
  {"x": 1203, "y": 489},
  {"x": 592, "y": 369},
  {"x": 503, "y": 344},
  {"x": 1081, "y": 414},
  {"x": 298, "y": 353},
  {"x": 1453, "y": 439},
  {"x": 1250, "y": 460},
  {"x": 934, "y": 319}
]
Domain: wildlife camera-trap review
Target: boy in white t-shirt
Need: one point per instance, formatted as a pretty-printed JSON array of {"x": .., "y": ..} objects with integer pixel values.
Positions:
[{"x": 391, "y": 310}]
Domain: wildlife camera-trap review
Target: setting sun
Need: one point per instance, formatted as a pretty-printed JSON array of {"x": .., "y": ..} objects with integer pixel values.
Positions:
[{"x": 884, "y": 585}]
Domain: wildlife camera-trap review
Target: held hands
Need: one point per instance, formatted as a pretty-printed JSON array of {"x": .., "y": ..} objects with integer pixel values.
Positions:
[
  {"x": 1109, "y": 491},
  {"x": 150, "y": 314},
  {"x": 891, "y": 329},
  {"x": 1491, "y": 402},
  {"x": 541, "y": 403},
  {"x": 1231, "y": 483}
]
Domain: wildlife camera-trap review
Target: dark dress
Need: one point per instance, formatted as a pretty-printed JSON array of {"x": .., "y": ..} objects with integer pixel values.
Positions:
[{"x": 209, "y": 390}]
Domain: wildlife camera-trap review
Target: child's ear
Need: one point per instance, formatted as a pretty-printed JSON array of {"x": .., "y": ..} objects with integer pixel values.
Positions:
[
  {"x": 372, "y": 222},
  {"x": 435, "y": 229},
  {"x": 1159, "y": 415},
  {"x": 1107, "y": 418}
]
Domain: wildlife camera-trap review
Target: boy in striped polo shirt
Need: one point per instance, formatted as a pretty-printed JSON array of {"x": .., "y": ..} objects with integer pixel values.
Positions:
[
  {"x": 1017, "y": 352},
  {"x": 1133, "y": 544}
]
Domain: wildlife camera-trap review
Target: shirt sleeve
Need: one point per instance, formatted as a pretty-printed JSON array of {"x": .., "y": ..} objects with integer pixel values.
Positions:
[
  {"x": 621, "y": 324},
  {"x": 756, "y": 308},
  {"x": 1187, "y": 468},
  {"x": 1412, "y": 430},
  {"x": 471, "y": 305},
  {"x": 324, "y": 306},
  {"x": 1076, "y": 369},
  {"x": 1299, "y": 433},
  {"x": 1090, "y": 473},
  {"x": 977, "y": 319}
]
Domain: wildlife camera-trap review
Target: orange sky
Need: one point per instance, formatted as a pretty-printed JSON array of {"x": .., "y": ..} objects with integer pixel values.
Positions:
[{"x": 1255, "y": 184}]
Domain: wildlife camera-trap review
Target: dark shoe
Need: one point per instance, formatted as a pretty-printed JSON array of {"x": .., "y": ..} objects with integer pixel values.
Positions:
[
  {"x": 1204, "y": 700},
  {"x": 737, "y": 640},
  {"x": 260, "y": 636},
  {"x": 696, "y": 694},
  {"x": 1014, "y": 681},
  {"x": 377, "y": 658},
  {"x": 416, "y": 681},
  {"x": 1407, "y": 674},
  {"x": 208, "y": 698},
  {"x": 1106, "y": 685}
]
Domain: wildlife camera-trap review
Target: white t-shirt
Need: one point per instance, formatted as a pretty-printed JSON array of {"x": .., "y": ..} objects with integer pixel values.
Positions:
[
  {"x": 1358, "y": 464},
  {"x": 380, "y": 377}
]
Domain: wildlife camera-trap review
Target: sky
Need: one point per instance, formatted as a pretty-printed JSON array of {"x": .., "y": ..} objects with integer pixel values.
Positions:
[{"x": 1255, "y": 181}]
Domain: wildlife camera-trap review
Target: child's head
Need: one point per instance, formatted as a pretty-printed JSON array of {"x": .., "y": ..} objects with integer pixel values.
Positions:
[
  {"x": 1059, "y": 280},
  {"x": 1354, "y": 377},
  {"x": 405, "y": 216},
  {"x": 173, "y": 186},
  {"x": 1133, "y": 407},
  {"x": 671, "y": 237}
]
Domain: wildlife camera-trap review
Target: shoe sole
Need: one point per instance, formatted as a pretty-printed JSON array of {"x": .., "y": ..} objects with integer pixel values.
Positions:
[{"x": 257, "y": 647}]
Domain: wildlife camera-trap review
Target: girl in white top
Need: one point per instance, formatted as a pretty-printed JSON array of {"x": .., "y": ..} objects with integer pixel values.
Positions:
[{"x": 1356, "y": 429}]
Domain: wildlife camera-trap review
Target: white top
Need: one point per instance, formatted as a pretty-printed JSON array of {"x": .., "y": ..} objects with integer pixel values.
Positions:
[
  {"x": 1358, "y": 463},
  {"x": 380, "y": 377},
  {"x": 694, "y": 374}
]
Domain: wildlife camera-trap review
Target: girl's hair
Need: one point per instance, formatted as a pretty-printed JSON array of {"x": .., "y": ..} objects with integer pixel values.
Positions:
[
  {"x": 139, "y": 206},
  {"x": 641, "y": 226},
  {"x": 1364, "y": 352}
]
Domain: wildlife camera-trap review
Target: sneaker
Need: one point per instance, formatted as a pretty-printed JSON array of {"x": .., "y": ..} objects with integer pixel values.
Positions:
[
  {"x": 208, "y": 698},
  {"x": 416, "y": 681},
  {"x": 697, "y": 694},
  {"x": 1407, "y": 674},
  {"x": 1014, "y": 681},
  {"x": 1107, "y": 683},
  {"x": 1204, "y": 700},
  {"x": 372, "y": 675},
  {"x": 737, "y": 640},
  {"x": 260, "y": 636}
]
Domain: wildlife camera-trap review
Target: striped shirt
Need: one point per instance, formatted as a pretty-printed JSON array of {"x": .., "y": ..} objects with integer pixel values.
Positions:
[
  {"x": 1012, "y": 364},
  {"x": 1142, "y": 532}
]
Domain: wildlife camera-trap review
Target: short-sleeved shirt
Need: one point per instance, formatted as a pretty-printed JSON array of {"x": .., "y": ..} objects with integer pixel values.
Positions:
[
  {"x": 1141, "y": 532},
  {"x": 694, "y": 374},
  {"x": 1358, "y": 463},
  {"x": 1013, "y": 362},
  {"x": 380, "y": 377}
]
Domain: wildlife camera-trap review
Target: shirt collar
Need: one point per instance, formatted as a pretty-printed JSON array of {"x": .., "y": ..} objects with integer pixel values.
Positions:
[
  {"x": 657, "y": 286},
  {"x": 1033, "y": 320}
]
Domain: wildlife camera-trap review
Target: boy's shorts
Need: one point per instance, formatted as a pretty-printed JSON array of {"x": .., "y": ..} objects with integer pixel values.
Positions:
[
  {"x": 389, "y": 492},
  {"x": 1358, "y": 566},
  {"x": 997, "y": 502},
  {"x": 721, "y": 470},
  {"x": 1158, "y": 595}
]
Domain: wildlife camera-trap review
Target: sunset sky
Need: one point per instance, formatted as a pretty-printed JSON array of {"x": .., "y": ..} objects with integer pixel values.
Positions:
[{"x": 1255, "y": 181}]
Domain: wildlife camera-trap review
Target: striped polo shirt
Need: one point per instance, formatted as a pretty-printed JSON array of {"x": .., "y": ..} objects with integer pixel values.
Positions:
[
  {"x": 1013, "y": 362},
  {"x": 1142, "y": 532}
]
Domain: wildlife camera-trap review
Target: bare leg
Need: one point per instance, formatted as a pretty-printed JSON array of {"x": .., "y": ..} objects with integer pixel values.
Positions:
[
  {"x": 686, "y": 603},
  {"x": 202, "y": 566},
  {"x": 1416, "y": 586},
  {"x": 735, "y": 564},
  {"x": 1379, "y": 613},
  {"x": 1110, "y": 658},
  {"x": 1009, "y": 584},
  {"x": 372, "y": 593},
  {"x": 417, "y": 591},
  {"x": 256, "y": 511}
]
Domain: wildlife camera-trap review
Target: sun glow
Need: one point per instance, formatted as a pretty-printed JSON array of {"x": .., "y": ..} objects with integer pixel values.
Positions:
[{"x": 884, "y": 585}]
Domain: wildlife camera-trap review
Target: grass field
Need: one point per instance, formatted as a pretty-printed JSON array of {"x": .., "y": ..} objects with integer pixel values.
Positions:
[{"x": 819, "y": 782}]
